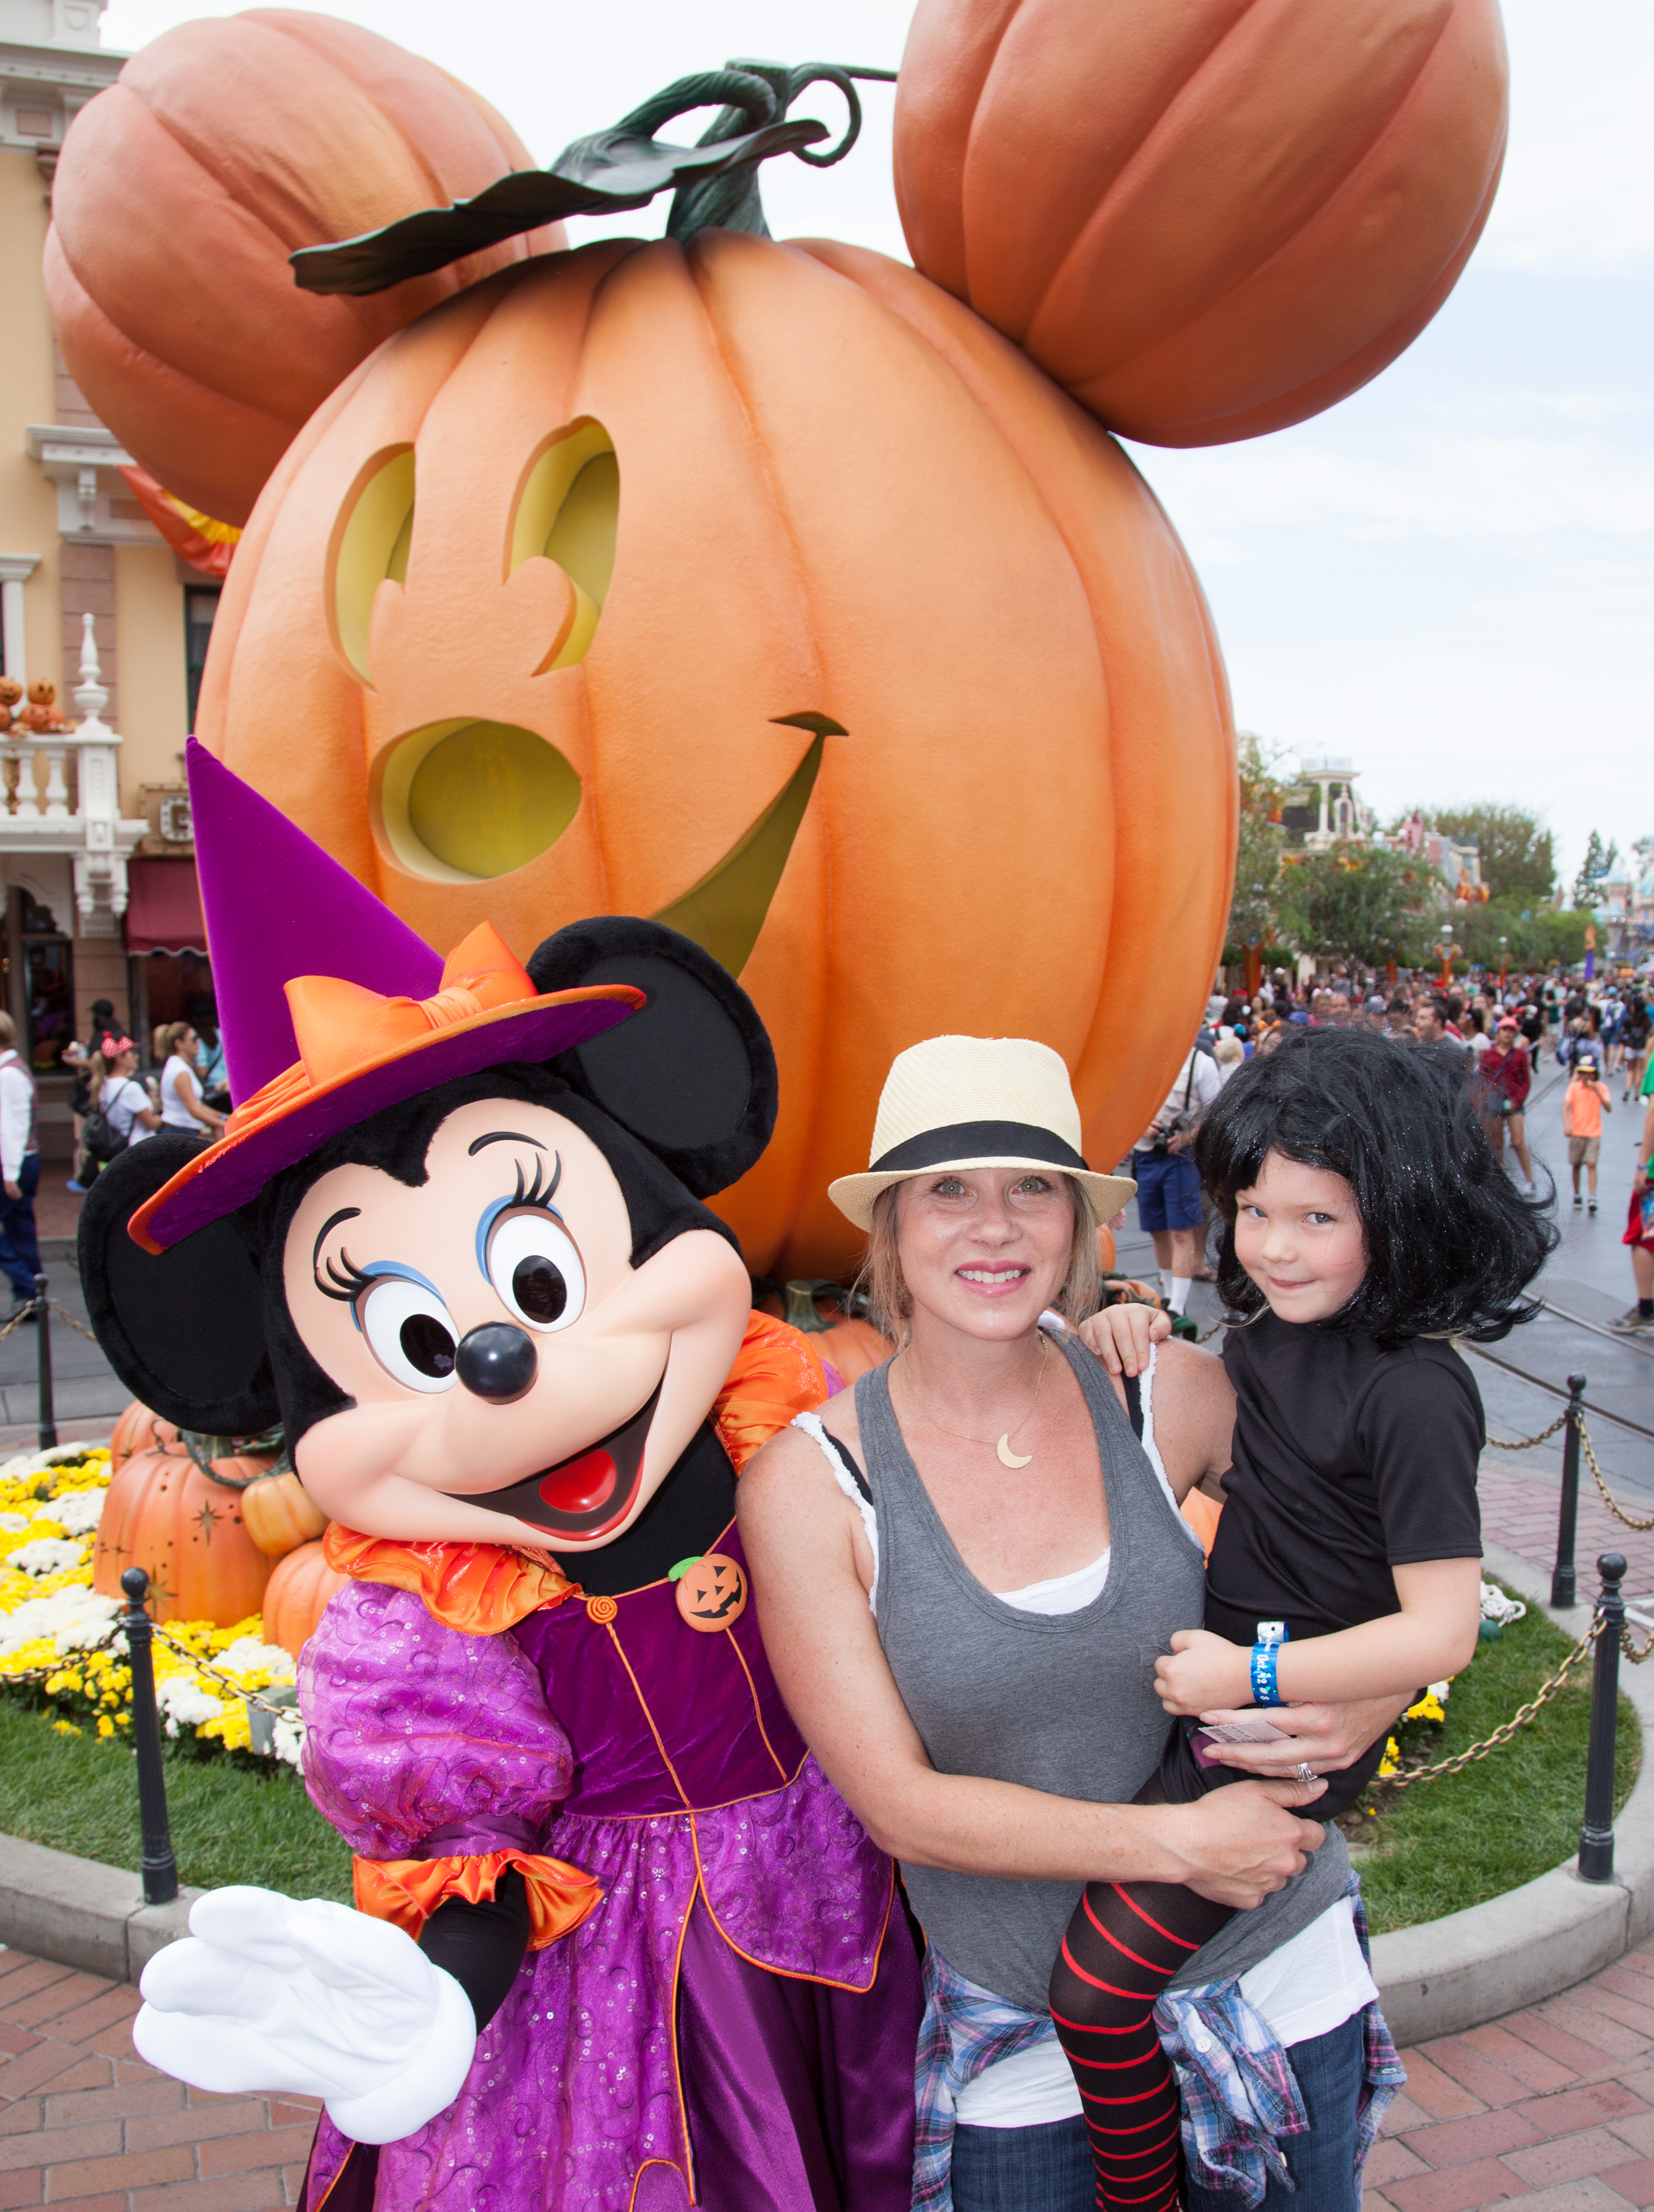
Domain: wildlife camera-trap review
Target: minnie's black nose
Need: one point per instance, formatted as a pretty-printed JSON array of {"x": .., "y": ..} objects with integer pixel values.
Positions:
[{"x": 497, "y": 1361}]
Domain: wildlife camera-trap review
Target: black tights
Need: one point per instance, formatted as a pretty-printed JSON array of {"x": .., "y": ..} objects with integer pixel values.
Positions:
[{"x": 1125, "y": 1942}]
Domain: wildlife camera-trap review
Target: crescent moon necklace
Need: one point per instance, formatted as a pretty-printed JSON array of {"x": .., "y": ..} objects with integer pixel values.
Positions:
[{"x": 1001, "y": 1450}]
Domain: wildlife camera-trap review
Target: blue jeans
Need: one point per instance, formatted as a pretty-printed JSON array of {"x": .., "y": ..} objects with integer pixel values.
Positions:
[
  {"x": 20, "y": 1254},
  {"x": 1048, "y": 2168},
  {"x": 1323, "y": 2162},
  {"x": 1042, "y": 2169}
]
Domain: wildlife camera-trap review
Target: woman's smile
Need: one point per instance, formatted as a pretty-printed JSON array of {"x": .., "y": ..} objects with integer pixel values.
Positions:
[{"x": 993, "y": 1279}]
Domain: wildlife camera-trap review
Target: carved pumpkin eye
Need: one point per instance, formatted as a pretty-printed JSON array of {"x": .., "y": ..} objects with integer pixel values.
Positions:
[
  {"x": 568, "y": 510},
  {"x": 371, "y": 542}
]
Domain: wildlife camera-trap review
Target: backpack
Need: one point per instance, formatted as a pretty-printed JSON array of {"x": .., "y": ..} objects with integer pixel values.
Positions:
[{"x": 100, "y": 1140}]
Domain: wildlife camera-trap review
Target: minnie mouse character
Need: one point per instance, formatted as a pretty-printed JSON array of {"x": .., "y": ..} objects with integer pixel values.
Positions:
[{"x": 454, "y": 1238}]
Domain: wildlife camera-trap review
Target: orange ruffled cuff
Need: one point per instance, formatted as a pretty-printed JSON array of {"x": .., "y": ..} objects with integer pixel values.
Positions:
[{"x": 408, "y": 1891}]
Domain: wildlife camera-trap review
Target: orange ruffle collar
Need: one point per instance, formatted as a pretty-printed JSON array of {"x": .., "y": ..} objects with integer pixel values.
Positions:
[{"x": 482, "y": 1589}]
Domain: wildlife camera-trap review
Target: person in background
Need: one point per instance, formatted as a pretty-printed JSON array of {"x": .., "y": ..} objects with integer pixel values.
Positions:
[
  {"x": 1229, "y": 1052},
  {"x": 1504, "y": 1079},
  {"x": 209, "y": 1060},
  {"x": 78, "y": 1058},
  {"x": 1586, "y": 1101},
  {"x": 1430, "y": 1026},
  {"x": 177, "y": 1047},
  {"x": 115, "y": 1086},
  {"x": 20, "y": 1175},
  {"x": 1638, "y": 1318},
  {"x": 1168, "y": 1188},
  {"x": 1633, "y": 1038}
]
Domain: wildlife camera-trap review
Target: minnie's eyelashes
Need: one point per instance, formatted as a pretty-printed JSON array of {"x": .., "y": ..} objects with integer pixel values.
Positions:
[
  {"x": 533, "y": 1193},
  {"x": 346, "y": 1281}
]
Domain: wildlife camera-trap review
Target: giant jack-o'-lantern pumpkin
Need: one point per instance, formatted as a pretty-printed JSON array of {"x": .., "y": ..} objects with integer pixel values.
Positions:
[
  {"x": 763, "y": 589},
  {"x": 178, "y": 195},
  {"x": 1206, "y": 220}
]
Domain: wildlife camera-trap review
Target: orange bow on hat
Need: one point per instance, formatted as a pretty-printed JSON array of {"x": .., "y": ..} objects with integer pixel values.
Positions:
[{"x": 360, "y": 1051}]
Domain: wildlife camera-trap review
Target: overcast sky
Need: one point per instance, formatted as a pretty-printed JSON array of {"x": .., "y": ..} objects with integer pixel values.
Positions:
[{"x": 1448, "y": 575}]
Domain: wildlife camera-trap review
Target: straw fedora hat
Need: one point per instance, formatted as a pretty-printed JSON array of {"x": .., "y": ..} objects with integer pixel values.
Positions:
[{"x": 963, "y": 1102}]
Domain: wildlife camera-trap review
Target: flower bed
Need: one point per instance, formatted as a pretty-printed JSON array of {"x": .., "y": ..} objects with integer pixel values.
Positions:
[{"x": 59, "y": 1645}]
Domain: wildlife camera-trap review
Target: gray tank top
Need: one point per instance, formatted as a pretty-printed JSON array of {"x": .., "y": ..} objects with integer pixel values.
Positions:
[{"x": 1063, "y": 1703}]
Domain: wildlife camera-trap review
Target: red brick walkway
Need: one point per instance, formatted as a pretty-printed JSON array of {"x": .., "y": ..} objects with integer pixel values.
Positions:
[
  {"x": 1553, "y": 2109},
  {"x": 84, "y": 2123},
  {"x": 1518, "y": 1510}
]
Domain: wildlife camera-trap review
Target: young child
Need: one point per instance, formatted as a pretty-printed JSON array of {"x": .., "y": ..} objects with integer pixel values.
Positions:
[
  {"x": 1366, "y": 1223},
  {"x": 1584, "y": 1105}
]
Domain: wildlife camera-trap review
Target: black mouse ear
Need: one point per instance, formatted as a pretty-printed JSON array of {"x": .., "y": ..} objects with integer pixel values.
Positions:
[
  {"x": 184, "y": 1331},
  {"x": 691, "y": 1075}
]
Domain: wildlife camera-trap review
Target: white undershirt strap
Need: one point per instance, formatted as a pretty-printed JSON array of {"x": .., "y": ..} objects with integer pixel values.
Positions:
[{"x": 812, "y": 1425}]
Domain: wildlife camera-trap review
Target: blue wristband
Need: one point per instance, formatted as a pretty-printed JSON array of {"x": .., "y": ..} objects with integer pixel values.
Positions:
[{"x": 1266, "y": 1652}]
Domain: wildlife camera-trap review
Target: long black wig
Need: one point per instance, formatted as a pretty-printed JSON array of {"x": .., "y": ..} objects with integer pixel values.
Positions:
[{"x": 1452, "y": 1245}]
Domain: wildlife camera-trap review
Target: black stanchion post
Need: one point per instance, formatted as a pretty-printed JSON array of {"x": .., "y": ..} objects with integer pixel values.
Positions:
[
  {"x": 43, "y": 1346},
  {"x": 158, "y": 1866},
  {"x": 1596, "y": 1836},
  {"x": 1564, "y": 1588}
]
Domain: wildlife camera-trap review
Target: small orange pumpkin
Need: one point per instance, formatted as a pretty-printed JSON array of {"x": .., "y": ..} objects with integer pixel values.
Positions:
[
  {"x": 280, "y": 1515},
  {"x": 183, "y": 1528},
  {"x": 533, "y": 694},
  {"x": 41, "y": 694},
  {"x": 138, "y": 1429},
  {"x": 179, "y": 193},
  {"x": 1206, "y": 220},
  {"x": 10, "y": 690},
  {"x": 296, "y": 1596},
  {"x": 848, "y": 1344}
]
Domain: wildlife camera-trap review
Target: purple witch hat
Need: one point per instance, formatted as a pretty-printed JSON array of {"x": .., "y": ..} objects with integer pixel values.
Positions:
[{"x": 338, "y": 1011}]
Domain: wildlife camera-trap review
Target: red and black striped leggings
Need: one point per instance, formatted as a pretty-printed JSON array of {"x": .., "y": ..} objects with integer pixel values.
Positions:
[{"x": 1125, "y": 1942}]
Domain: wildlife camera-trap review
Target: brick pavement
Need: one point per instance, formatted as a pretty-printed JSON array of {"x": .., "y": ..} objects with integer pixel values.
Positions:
[
  {"x": 83, "y": 2122},
  {"x": 1552, "y": 2110},
  {"x": 1518, "y": 1510}
]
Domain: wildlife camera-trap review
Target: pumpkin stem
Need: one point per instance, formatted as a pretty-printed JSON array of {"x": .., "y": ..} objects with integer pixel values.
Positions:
[
  {"x": 715, "y": 183},
  {"x": 800, "y": 1297}
]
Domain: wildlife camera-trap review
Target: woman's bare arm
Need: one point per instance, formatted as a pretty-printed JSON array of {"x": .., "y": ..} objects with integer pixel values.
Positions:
[{"x": 799, "y": 1532}]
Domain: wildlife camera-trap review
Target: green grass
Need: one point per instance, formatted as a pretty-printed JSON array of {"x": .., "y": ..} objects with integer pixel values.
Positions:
[
  {"x": 1442, "y": 1845},
  {"x": 231, "y": 1820}
]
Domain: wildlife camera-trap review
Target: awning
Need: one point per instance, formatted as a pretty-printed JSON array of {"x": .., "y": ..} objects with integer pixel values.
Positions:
[{"x": 163, "y": 908}]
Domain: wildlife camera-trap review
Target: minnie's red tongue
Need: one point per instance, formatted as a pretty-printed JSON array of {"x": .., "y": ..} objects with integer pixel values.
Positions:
[{"x": 580, "y": 1486}]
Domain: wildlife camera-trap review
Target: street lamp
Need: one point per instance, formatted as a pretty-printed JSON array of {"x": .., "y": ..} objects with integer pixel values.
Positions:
[
  {"x": 1446, "y": 951},
  {"x": 1503, "y": 960}
]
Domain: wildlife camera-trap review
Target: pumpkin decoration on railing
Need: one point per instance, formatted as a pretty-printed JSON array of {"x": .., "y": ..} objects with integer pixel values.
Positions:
[
  {"x": 175, "y": 1510},
  {"x": 711, "y": 682},
  {"x": 769, "y": 592},
  {"x": 181, "y": 190},
  {"x": 1208, "y": 222},
  {"x": 42, "y": 717}
]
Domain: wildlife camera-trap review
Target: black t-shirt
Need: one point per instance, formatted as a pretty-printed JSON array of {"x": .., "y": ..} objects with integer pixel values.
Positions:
[{"x": 1348, "y": 1461}]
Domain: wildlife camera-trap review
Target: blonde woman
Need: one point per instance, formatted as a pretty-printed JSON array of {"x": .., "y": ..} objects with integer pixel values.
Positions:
[
  {"x": 182, "y": 1106},
  {"x": 966, "y": 1569}
]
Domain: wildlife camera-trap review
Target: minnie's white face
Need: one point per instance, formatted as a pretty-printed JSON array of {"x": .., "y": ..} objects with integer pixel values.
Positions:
[{"x": 498, "y": 1342}]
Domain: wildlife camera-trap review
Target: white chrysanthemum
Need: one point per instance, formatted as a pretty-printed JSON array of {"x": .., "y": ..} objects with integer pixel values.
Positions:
[
  {"x": 289, "y": 1742},
  {"x": 11, "y": 1522},
  {"x": 184, "y": 1705},
  {"x": 75, "y": 1618},
  {"x": 79, "y": 1511},
  {"x": 48, "y": 1555},
  {"x": 248, "y": 1656}
]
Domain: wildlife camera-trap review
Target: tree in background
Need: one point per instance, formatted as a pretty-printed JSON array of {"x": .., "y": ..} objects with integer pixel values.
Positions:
[
  {"x": 1597, "y": 863},
  {"x": 1355, "y": 903},
  {"x": 1254, "y": 913},
  {"x": 1518, "y": 860}
]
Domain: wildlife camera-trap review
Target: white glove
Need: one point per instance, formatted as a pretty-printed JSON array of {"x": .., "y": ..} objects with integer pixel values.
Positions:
[{"x": 266, "y": 1994}]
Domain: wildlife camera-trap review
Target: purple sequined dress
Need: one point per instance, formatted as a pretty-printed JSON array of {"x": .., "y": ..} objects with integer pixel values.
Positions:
[{"x": 734, "y": 2026}]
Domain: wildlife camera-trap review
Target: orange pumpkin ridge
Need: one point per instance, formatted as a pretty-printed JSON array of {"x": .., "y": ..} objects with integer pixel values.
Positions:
[
  {"x": 174, "y": 303},
  {"x": 296, "y": 1596},
  {"x": 185, "y": 1531},
  {"x": 1207, "y": 224},
  {"x": 1026, "y": 671}
]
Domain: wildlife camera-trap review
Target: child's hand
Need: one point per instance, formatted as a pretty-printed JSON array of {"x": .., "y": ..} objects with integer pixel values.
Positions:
[
  {"x": 1121, "y": 1336},
  {"x": 1204, "y": 1671}
]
